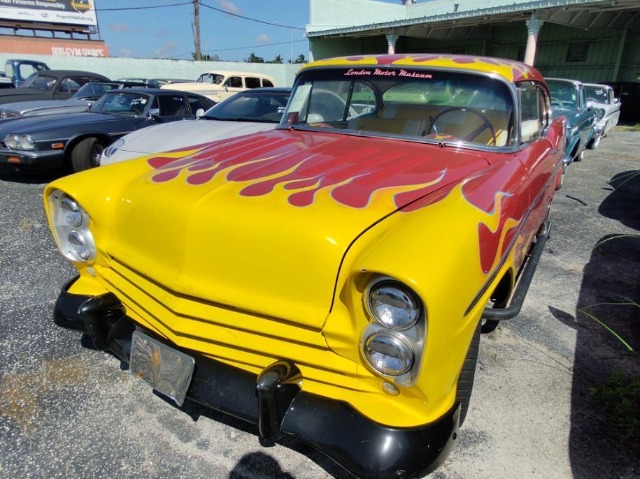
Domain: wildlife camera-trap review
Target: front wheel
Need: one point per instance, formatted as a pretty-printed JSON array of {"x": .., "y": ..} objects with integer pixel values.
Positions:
[{"x": 86, "y": 154}]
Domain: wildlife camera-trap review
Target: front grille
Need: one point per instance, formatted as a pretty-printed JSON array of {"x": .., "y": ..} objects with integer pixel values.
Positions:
[{"x": 243, "y": 339}]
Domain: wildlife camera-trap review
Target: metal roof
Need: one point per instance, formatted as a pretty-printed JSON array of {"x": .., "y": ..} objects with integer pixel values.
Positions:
[{"x": 587, "y": 14}]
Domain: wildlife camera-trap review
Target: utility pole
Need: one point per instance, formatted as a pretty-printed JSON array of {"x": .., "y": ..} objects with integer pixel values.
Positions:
[{"x": 196, "y": 29}]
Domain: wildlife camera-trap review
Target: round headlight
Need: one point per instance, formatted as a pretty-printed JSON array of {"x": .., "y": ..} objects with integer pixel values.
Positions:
[
  {"x": 71, "y": 211},
  {"x": 393, "y": 305},
  {"x": 70, "y": 224},
  {"x": 388, "y": 354}
]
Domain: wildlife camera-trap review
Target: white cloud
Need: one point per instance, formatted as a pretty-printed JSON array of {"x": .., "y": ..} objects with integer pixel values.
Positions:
[
  {"x": 120, "y": 27},
  {"x": 263, "y": 38},
  {"x": 229, "y": 6}
]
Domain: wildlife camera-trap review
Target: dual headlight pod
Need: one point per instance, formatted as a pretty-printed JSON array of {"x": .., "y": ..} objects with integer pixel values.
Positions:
[
  {"x": 392, "y": 344},
  {"x": 71, "y": 228},
  {"x": 19, "y": 142}
]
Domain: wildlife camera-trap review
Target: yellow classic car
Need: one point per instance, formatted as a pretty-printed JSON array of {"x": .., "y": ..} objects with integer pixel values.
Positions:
[{"x": 327, "y": 280}]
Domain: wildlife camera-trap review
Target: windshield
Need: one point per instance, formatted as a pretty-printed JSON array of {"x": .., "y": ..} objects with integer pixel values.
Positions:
[
  {"x": 258, "y": 106},
  {"x": 94, "y": 89},
  {"x": 563, "y": 94},
  {"x": 123, "y": 103},
  {"x": 214, "y": 78},
  {"x": 40, "y": 82},
  {"x": 418, "y": 104}
]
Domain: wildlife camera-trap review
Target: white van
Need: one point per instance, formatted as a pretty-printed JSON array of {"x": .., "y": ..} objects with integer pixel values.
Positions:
[{"x": 219, "y": 85}]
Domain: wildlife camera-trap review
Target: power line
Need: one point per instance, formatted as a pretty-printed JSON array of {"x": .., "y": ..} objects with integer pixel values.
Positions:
[
  {"x": 220, "y": 10},
  {"x": 242, "y": 48},
  {"x": 251, "y": 19},
  {"x": 141, "y": 8}
]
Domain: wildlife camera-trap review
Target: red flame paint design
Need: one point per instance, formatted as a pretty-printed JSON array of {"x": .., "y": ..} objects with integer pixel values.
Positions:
[{"x": 265, "y": 164}]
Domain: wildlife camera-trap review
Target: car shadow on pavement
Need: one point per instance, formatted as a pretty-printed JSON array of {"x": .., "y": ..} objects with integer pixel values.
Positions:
[
  {"x": 607, "y": 322},
  {"x": 30, "y": 177}
]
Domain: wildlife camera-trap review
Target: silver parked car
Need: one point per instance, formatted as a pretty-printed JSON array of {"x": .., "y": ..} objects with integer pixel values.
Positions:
[
  {"x": 608, "y": 107},
  {"x": 246, "y": 112}
]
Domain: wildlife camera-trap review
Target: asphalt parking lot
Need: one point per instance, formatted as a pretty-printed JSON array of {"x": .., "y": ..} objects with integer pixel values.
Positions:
[{"x": 68, "y": 411}]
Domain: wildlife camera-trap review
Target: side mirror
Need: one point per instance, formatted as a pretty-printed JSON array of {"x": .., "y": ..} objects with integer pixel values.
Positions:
[
  {"x": 199, "y": 112},
  {"x": 616, "y": 100},
  {"x": 590, "y": 105},
  {"x": 154, "y": 112}
]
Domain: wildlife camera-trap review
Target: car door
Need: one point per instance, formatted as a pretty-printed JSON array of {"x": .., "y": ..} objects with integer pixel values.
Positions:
[{"x": 541, "y": 148}]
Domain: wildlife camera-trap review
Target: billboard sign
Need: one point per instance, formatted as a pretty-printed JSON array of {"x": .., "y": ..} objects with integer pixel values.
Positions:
[{"x": 68, "y": 12}]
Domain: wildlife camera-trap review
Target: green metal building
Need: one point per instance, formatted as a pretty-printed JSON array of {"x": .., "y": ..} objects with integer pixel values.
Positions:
[{"x": 587, "y": 40}]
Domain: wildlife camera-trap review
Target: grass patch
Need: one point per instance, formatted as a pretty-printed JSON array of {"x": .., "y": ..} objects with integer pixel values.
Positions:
[{"x": 619, "y": 398}]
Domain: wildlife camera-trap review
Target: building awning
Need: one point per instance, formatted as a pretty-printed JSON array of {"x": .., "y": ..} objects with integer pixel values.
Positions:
[{"x": 586, "y": 14}]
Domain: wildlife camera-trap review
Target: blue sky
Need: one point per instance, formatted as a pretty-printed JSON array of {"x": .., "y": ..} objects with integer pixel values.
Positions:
[{"x": 135, "y": 30}]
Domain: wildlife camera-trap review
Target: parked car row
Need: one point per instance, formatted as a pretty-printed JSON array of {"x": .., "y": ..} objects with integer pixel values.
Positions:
[
  {"x": 79, "y": 114},
  {"x": 591, "y": 110}
]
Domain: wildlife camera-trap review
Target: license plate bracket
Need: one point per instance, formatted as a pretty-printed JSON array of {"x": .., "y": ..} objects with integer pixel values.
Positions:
[{"x": 165, "y": 369}]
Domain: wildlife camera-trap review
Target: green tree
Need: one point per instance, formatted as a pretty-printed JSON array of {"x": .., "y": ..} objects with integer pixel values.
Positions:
[
  {"x": 278, "y": 59},
  {"x": 207, "y": 58},
  {"x": 254, "y": 59},
  {"x": 300, "y": 59}
]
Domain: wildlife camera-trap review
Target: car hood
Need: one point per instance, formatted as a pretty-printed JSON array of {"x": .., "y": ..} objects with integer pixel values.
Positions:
[
  {"x": 22, "y": 91},
  {"x": 35, "y": 124},
  {"x": 181, "y": 134},
  {"x": 263, "y": 222},
  {"x": 23, "y": 106}
]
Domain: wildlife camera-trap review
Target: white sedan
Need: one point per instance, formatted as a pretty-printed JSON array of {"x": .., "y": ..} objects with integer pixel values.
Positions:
[
  {"x": 247, "y": 112},
  {"x": 608, "y": 108}
]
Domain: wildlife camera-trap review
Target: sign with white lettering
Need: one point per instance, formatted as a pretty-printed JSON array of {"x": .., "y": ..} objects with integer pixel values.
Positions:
[{"x": 68, "y": 12}]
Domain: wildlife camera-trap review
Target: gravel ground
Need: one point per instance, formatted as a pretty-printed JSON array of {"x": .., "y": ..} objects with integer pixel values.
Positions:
[{"x": 67, "y": 411}]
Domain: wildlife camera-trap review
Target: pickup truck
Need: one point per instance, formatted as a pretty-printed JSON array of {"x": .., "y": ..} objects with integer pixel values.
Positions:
[{"x": 18, "y": 70}]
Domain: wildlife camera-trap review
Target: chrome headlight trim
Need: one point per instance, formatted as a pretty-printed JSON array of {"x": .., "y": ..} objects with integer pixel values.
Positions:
[
  {"x": 70, "y": 225},
  {"x": 408, "y": 332},
  {"x": 388, "y": 353},
  {"x": 393, "y": 304}
]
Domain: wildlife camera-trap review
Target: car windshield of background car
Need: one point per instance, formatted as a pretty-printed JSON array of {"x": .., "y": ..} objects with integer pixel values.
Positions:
[
  {"x": 563, "y": 95},
  {"x": 417, "y": 104},
  {"x": 93, "y": 89},
  {"x": 250, "y": 106},
  {"x": 122, "y": 103},
  {"x": 210, "y": 78},
  {"x": 40, "y": 82}
]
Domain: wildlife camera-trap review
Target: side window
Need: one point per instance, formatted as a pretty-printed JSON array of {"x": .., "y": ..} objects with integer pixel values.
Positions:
[
  {"x": 363, "y": 99},
  {"x": 234, "y": 82},
  {"x": 252, "y": 82},
  {"x": 196, "y": 104},
  {"x": 532, "y": 111},
  {"x": 171, "y": 105},
  {"x": 266, "y": 82}
]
